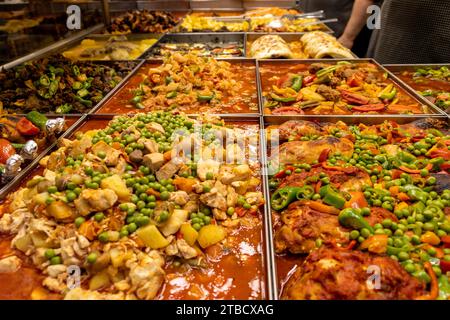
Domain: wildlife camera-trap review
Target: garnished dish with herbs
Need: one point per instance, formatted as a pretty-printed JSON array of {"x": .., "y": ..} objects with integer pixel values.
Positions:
[
  {"x": 191, "y": 84},
  {"x": 333, "y": 88},
  {"x": 431, "y": 82},
  {"x": 58, "y": 85},
  {"x": 347, "y": 198},
  {"x": 138, "y": 214}
]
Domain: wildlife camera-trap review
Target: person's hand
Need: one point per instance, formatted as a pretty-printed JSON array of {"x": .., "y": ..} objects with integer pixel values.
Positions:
[{"x": 346, "y": 42}]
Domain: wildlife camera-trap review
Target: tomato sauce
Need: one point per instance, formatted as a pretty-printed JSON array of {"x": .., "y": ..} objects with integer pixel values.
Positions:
[
  {"x": 245, "y": 102},
  {"x": 233, "y": 271}
]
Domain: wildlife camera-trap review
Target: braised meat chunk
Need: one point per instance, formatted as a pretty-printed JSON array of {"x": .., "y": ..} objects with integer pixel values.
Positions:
[{"x": 340, "y": 274}]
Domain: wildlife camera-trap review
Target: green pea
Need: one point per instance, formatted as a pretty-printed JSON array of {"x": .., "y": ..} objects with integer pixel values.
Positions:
[
  {"x": 163, "y": 216},
  {"x": 365, "y": 232},
  {"x": 209, "y": 176},
  {"x": 432, "y": 252},
  {"x": 247, "y": 206},
  {"x": 316, "y": 196},
  {"x": 55, "y": 260},
  {"x": 197, "y": 226},
  {"x": 52, "y": 189},
  {"x": 365, "y": 211},
  {"x": 101, "y": 154},
  {"x": 49, "y": 253},
  {"x": 207, "y": 220},
  {"x": 206, "y": 211},
  {"x": 354, "y": 234},
  {"x": 165, "y": 195},
  {"x": 429, "y": 226},
  {"x": 79, "y": 221},
  {"x": 431, "y": 181},
  {"x": 403, "y": 255},
  {"x": 99, "y": 216},
  {"x": 132, "y": 227},
  {"x": 410, "y": 268},
  {"x": 378, "y": 226},
  {"x": 142, "y": 221},
  {"x": 230, "y": 211},
  {"x": 103, "y": 237},
  {"x": 92, "y": 258}
]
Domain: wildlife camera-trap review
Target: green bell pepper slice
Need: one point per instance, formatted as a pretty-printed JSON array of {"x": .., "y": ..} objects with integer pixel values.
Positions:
[
  {"x": 205, "y": 98},
  {"x": 64, "y": 108},
  {"x": 444, "y": 288},
  {"x": 38, "y": 119},
  {"x": 306, "y": 192},
  {"x": 280, "y": 99},
  {"x": 332, "y": 197},
  {"x": 349, "y": 218},
  {"x": 171, "y": 95},
  {"x": 284, "y": 196},
  {"x": 297, "y": 83}
]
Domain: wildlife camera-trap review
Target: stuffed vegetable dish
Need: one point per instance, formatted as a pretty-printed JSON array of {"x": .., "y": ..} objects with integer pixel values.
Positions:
[
  {"x": 139, "y": 215},
  {"x": 351, "y": 201},
  {"x": 333, "y": 88},
  {"x": 190, "y": 84}
]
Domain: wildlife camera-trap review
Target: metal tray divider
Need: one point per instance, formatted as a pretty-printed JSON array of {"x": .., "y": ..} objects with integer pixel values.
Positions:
[{"x": 268, "y": 226}]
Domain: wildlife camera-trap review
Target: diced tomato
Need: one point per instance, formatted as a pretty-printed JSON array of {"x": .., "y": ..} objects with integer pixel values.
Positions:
[
  {"x": 6, "y": 150},
  {"x": 355, "y": 80},
  {"x": 26, "y": 127},
  {"x": 309, "y": 79}
]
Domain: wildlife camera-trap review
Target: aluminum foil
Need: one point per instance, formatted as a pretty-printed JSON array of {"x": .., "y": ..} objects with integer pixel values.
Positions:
[
  {"x": 29, "y": 150},
  {"x": 13, "y": 166},
  {"x": 54, "y": 126}
]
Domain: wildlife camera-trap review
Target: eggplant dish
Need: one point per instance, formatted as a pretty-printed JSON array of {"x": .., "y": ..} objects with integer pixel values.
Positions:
[
  {"x": 333, "y": 88},
  {"x": 58, "y": 85},
  {"x": 140, "y": 215},
  {"x": 431, "y": 82},
  {"x": 351, "y": 200}
]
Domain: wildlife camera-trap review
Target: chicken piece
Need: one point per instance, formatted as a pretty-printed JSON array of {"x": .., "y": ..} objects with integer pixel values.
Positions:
[
  {"x": 171, "y": 249},
  {"x": 56, "y": 159},
  {"x": 147, "y": 277},
  {"x": 174, "y": 223},
  {"x": 155, "y": 127},
  {"x": 228, "y": 175},
  {"x": 153, "y": 161},
  {"x": 80, "y": 147},
  {"x": 302, "y": 226},
  {"x": 187, "y": 252},
  {"x": 10, "y": 264},
  {"x": 95, "y": 200},
  {"x": 329, "y": 274},
  {"x": 55, "y": 270},
  {"x": 293, "y": 128},
  {"x": 232, "y": 197},
  {"x": 192, "y": 205},
  {"x": 71, "y": 252},
  {"x": 179, "y": 197},
  {"x": 11, "y": 222},
  {"x": 234, "y": 154},
  {"x": 219, "y": 214},
  {"x": 214, "y": 199},
  {"x": 83, "y": 294},
  {"x": 168, "y": 170},
  {"x": 150, "y": 146},
  {"x": 54, "y": 284},
  {"x": 254, "y": 198},
  {"x": 112, "y": 155},
  {"x": 205, "y": 167},
  {"x": 309, "y": 151}
]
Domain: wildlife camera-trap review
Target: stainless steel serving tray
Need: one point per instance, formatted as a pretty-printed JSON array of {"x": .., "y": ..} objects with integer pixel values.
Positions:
[
  {"x": 215, "y": 38},
  {"x": 269, "y": 292},
  {"x": 431, "y": 108},
  {"x": 277, "y": 120},
  {"x": 286, "y": 36},
  {"x": 394, "y": 68},
  {"x": 124, "y": 83}
]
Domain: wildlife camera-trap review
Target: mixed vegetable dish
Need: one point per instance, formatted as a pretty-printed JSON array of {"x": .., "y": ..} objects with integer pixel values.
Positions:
[
  {"x": 143, "y": 21},
  {"x": 58, "y": 85},
  {"x": 431, "y": 82},
  {"x": 333, "y": 88},
  {"x": 141, "y": 215},
  {"x": 349, "y": 197},
  {"x": 204, "y": 49}
]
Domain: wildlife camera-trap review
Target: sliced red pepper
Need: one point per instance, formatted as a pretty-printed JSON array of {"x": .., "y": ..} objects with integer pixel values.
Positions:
[
  {"x": 417, "y": 171},
  {"x": 282, "y": 80},
  {"x": 324, "y": 155},
  {"x": 337, "y": 168},
  {"x": 396, "y": 173},
  {"x": 26, "y": 127},
  {"x": 282, "y": 173},
  {"x": 309, "y": 79},
  {"x": 369, "y": 107},
  {"x": 434, "y": 285},
  {"x": 445, "y": 266},
  {"x": 6, "y": 150},
  {"x": 445, "y": 167},
  {"x": 436, "y": 153},
  {"x": 354, "y": 98},
  {"x": 446, "y": 241}
]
